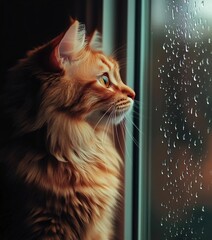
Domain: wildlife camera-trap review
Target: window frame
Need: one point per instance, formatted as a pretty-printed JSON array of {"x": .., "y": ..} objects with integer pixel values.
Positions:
[{"x": 137, "y": 157}]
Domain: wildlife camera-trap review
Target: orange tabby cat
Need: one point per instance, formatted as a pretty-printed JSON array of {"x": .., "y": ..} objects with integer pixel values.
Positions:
[{"x": 60, "y": 171}]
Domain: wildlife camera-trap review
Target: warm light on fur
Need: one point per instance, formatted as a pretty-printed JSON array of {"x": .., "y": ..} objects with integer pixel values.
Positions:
[{"x": 61, "y": 171}]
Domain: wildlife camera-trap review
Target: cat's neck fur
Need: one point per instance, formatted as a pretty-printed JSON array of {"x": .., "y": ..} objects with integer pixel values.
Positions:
[{"x": 77, "y": 141}]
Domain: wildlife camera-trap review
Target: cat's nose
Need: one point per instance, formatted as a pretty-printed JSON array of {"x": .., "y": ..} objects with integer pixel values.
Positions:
[
  {"x": 131, "y": 94},
  {"x": 128, "y": 91}
]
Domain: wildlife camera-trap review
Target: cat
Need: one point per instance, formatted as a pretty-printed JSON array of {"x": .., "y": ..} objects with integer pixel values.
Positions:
[{"x": 60, "y": 171}]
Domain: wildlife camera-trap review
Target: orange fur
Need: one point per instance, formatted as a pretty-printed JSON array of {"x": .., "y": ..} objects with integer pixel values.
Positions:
[{"x": 60, "y": 163}]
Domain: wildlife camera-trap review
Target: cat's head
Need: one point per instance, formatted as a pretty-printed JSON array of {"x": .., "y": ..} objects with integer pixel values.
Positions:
[{"x": 72, "y": 76}]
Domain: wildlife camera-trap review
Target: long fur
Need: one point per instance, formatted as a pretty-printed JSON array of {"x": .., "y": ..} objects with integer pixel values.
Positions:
[{"x": 60, "y": 171}]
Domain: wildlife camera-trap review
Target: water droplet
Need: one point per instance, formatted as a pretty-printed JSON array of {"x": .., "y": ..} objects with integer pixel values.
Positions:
[
  {"x": 196, "y": 98},
  {"x": 173, "y": 14},
  {"x": 207, "y": 61},
  {"x": 207, "y": 100}
]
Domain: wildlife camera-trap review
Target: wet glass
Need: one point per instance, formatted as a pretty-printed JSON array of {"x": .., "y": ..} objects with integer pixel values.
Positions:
[{"x": 181, "y": 124}]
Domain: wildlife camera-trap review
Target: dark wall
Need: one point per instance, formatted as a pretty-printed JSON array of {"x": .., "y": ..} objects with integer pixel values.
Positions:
[{"x": 26, "y": 24}]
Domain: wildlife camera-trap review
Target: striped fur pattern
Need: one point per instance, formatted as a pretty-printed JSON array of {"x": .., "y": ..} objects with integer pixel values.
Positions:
[{"x": 60, "y": 171}]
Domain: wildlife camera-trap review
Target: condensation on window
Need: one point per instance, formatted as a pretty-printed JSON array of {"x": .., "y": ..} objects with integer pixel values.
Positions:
[{"x": 182, "y": 119}]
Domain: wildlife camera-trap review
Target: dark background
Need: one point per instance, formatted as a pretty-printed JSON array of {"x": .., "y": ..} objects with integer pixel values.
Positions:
[{"x": 26, "y": 24}]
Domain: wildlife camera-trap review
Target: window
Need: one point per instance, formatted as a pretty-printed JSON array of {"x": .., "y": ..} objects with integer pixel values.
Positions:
[
  {"x": 176, "y": 113},
  {"x": 168, "y": 179},
  {"x": 181, "y": 123}
]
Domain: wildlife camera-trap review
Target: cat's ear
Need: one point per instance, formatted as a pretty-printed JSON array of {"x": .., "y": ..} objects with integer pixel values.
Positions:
[
  {"x": 95, "y": 41},
  {"x": 72, "y": 42}
]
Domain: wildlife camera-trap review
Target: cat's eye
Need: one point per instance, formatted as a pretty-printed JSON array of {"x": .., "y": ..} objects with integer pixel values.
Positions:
[{"x": 104, "y": 80}]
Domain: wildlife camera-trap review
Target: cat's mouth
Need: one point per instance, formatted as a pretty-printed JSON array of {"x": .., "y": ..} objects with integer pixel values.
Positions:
[
  {"x": 114, "y": 113},
  {"x": 119, "y": 110}
]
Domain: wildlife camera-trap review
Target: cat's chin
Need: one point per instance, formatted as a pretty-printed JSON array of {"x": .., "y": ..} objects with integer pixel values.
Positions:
[
  {"x": 117, "y": 119},
  {"x": 100, "y": 118}
]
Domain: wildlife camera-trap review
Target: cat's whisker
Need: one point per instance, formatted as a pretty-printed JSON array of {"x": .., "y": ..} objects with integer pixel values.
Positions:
[
  {"x": 122, "y": 64},
  {"x": 120, "y": 51},
  {"x": 135, "y": 126},
  {"x": 136, "y": 101},
  {"x": 136, "y": 115},
  {"x": 137, "y": 104},
  {"x": 136, "y": 109},
  {"x": 124, "y": 148},
  {"x": 118, "y": 141},
  {"x": 113, "y": 135},
  {"x": 106, "y": 127},
  {"x": 98, "y": 122},
  {"x": 131, "y": 136},
  {"x": 125, "y": 134}
]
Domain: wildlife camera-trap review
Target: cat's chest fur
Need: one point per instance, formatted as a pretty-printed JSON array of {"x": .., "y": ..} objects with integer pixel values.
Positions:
[{"x": 67, "y": 198}]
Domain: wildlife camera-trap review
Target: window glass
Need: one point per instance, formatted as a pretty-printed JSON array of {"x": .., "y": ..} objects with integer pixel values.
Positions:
[{"x": 181, "y": 139}]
